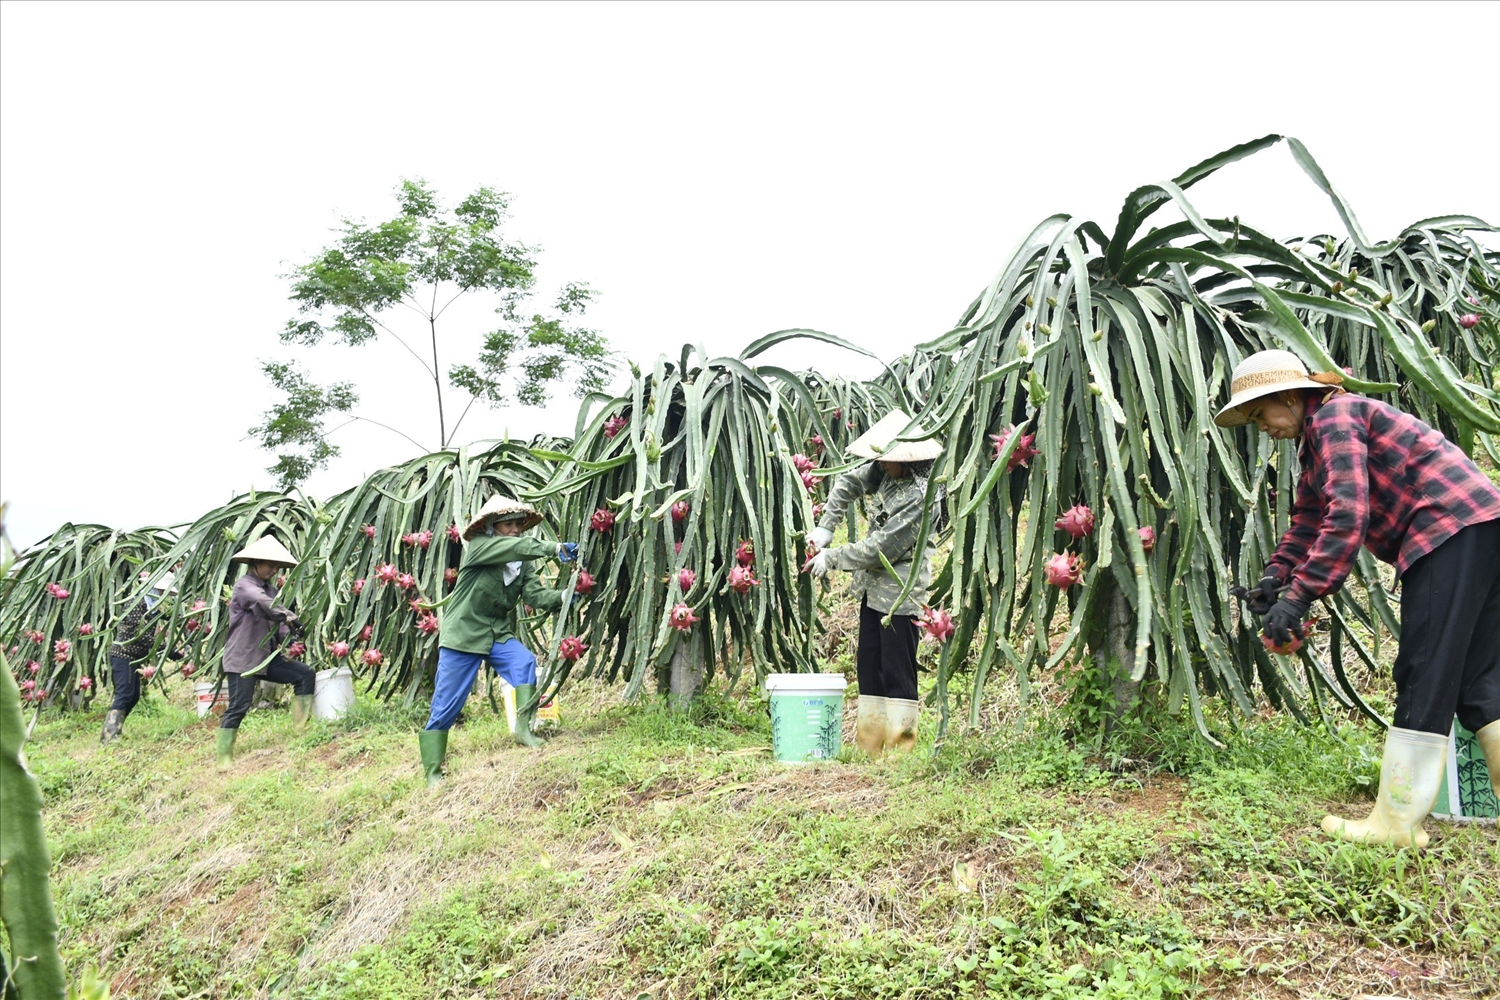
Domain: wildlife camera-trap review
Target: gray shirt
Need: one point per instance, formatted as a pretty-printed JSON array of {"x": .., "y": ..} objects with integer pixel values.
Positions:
[
  {"x": 895, "y": 510},
  {"x": 256, "y": 624}
]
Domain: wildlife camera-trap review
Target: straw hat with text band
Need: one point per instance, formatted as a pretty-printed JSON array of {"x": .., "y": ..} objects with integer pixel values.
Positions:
[
  {"x": 1265, "y": 373},
  {"x": 503, "y": 508},
  {"x": 265, "y": 549},
  {"x": 879, "y": 442}
]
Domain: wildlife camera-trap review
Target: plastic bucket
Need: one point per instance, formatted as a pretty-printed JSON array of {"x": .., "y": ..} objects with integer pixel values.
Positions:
[
  {"x": 1465, "y": 794},
  {"x": 807, "y": 716},
  {"x": 207, "y": 702},
  {"x": 333, "y": 693}
]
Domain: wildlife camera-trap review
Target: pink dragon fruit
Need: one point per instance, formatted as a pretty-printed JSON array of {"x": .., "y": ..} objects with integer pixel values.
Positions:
[
  {"x": 188, "y": 669},
  {"x": 1078, "y": 521},
  {"x": 681, "y": 617},
  {"x": 60, "y": 593},
  {"x": 937, "y": 623},
  {"x": 406, "y": 581},
  {"x": 817, "y": 511},
  {"x": 35, "y": 635},
  {"x": 359, "y": 586},
  {"x": 427, "y": 624},
  {"x": 1024, "y": 452},
  {"x": 387, "y": 572},
  {"x": 744, "y": 554},
  {"x": 366, "y": 632},
  {"x": 297, "y": 650},
  {"x": 1063, "y": 569},
  {"x": 1286, "y": 650},
  {"x": 677, "y": 548},
  {"x": 803, "y": 463},
  {"x": 686, "y": 578},
  {"x": 28, "y": 685},
  {"x": 742, "y": 578},
  {"x": 585, "y": 582},
  {"x": 680, "y": 511},
  {"x": 86, "y": 629},
  {"x": 148, "y": 671},
  {"x": 60, "y": 650},
  {"x": 817, "y": 443},
  {"x": 454, "y": 535},
  {"x": 614, "y": 425},
  {"x": 281, "y": 581},
  {"x": 1148, "y": 538},
  {"x": 450, "y": 576},
  {"x": 369, "y": 530},
  {"x": 198, "y": 605},
  {"x": 603, "y": 521},
  {"x": 409, "y": 540},
  {"x": 572, "y": 647},
  {"x": 373, "y": 658},
  {"x": 34, "y": 667},
  {"x": 338, "y": 649},
  {"x": 1468, "y": 321},
  {"x": 418, "y": 604},
  {"x": 84, "y": 683}
]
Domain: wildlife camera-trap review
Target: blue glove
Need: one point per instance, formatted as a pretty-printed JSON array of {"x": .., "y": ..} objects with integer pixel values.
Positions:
[{"x": 567, "y": 551}]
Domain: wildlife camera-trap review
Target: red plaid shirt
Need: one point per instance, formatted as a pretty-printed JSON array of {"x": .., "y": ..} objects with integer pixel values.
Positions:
[{"x": 1376, "y": 476}]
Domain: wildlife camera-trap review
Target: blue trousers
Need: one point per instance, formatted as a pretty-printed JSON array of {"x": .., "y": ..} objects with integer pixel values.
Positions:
[{"x": 456, "y": 673}]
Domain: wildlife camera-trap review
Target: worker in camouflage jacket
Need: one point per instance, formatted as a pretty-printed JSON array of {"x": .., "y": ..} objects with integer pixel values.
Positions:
[
  {"x": 1376, "y": 477},
  {"x": 895, "y": 485},
  {"x": 496, "y": 575},
  {"x": 135, "y": 638}
]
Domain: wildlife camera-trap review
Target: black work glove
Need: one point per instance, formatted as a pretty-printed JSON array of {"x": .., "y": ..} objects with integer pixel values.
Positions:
[
  {"x": 1284, "y": 621},
  {"x": 1262, "y": 596},
  {"x": 294, "y": 626}
]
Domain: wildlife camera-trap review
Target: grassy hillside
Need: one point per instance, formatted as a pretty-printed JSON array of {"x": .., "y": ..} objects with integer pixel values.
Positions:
[{"x": 642, "y": 853}]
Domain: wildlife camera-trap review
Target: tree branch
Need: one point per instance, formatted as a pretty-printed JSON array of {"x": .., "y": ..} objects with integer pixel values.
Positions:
[
  {"x": 377, "y": 423},
  {"x": 454, "y": 433},
  {"x": 403, "y": 343}
]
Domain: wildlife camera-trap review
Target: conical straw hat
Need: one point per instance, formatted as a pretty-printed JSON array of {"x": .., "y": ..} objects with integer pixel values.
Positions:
[
  {"x": 265, "y": 549},
  {"x": 1264, "y": 373},
  {"x": 167, "y": 584},
  {"x": 876, "y": 442},
  {"x": 503, "y": 508}
]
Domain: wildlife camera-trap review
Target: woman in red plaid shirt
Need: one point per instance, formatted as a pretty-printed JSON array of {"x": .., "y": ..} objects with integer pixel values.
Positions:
[{"x": 1375, "y": 476}]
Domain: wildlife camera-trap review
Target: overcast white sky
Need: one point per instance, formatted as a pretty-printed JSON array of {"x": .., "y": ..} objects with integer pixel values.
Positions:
[{"x": 715, "y": 171}]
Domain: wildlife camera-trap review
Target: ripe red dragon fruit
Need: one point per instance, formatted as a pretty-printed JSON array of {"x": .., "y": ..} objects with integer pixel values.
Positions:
[
  {"x": 85, "y": 629},
  {"x": 148, "y": 671},
  {"x": 1472, "y": 300},
  {"x": 60, "y": 650},
  {"x": 417, "y": 604},
  {"x": 937, "y": 623},
  {"x": 406, "y": 581},
  {"x": 199, "y": 605},
  {"x": 1468, "y": 321},
  {"x": 680, "y": 511},
  {"x": 1148, "y": 538},
  {"x": 1286, "y": 650},
  {"x": 614, "y": 425},
  {"x": 816, "y": 441},
  {"x": 408, "y": 540},
  {"x": 338, "y": 649},
  {"x": 603, "y": 521},
  {"x": 386, "y": 572},
  {"x": 454, "y": 535},
  {"x": 1024, "y": 452},
  {"x": 1063, "y": 569},
  {"x": 366, "y": 632},
  {"x": 373, "y": 658},
  {"x": 84, "y": 683},
  {"x": 686, "y": 578},
  {"x": 35, "y": 635},
  {"x": 369, "y": 530},
  {"x": 359, "y": 586},
  {"x": 745, "y": 553},
  {"x": 681, "y": 617},
  {"x": 677, "y": 548},
  {"x": 585, "y": 582},
  {"x": 281, "y": 581},
  {"x": 571, "y": 647},
  {"x": 28, "y": 685},
  {"x": 1078, "y": 521},
  {"x": 427, "y": 624},
  {"x": 192, "y": 624},
  {"x": 188, "y": 669},
  {"x": 803, "y": 463},
  {"x": 40, "y": 695},
  {"x": 838, "y": 414},
  {"x": 60, "y": 593},
  {"x": 742, "y": 578},
  {"x": 809, "y": 482},
  {"x": 817, "y": 511},
  {"x": 418, "y": 539},
  {"x": 34, "y": 667},
  {"x": 297, "y": 649},
  {"x": 450, "y": 576}
]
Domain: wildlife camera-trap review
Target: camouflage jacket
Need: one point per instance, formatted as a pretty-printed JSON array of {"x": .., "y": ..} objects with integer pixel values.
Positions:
[{"x": 895, "y": 510}]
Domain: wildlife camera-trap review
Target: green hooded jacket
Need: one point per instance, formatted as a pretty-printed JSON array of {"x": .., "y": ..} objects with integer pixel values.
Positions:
[{"x": 481, "y": 611}]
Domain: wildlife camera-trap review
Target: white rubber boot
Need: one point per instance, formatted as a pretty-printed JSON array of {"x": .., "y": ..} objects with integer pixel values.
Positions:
[
  {"x": 869, "y": 724},
  {"x": 1489, "y": 740},
  {"x": 1409, "y": 777},
  {"x": 901, "y": 723}
]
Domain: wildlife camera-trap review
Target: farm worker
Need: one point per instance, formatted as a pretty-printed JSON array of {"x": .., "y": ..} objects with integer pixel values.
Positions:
[
  {"x": 1375, "y": 476},
  {"x": 896, "y": 481},
  {"x": 134, "y": 639},
  {"x": 478, "y": 621},
  {"x": 252, "y": 652}
]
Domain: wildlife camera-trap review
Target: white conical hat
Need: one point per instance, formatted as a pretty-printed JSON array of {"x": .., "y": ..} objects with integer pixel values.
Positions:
[
  {"x": 167, "y": 584},
  {"x": 876, "y": 442},
  {"x": 503, "y": 508},
  {"x": 1262, "y": 374},
  {"x": 265, "y": 549}
]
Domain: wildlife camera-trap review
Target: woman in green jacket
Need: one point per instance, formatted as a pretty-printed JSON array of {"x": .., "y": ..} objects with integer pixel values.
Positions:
[{"x": 478, "y": 621}]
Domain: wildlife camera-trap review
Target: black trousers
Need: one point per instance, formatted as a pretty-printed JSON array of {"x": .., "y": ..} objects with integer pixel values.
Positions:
[
  {"x": 886, "y": 658},
  {"x": 278, "y": 671},
  {"x": 127, "y": 683},
  {"x": 1449, "y": 661}
]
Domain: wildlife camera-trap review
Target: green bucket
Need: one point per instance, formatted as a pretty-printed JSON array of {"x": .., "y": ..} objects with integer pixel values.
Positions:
[{"x": 807, "y": 716}]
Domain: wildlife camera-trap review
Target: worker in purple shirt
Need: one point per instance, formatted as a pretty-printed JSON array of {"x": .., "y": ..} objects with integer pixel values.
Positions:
[
  {"x": 253, "y": 651},
  {"x": 1376, "y": 477}
]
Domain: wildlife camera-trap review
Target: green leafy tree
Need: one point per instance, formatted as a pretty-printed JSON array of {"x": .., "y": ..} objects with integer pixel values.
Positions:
[{"x": 397, "y": 279}]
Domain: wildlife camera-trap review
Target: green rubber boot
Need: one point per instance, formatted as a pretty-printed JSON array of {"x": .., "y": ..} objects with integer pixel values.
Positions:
[
  {"x": 226, "y": 747},
  {"x": 526, "y": 703},
  {"x": 301, "y": 710},
  {"x": 433, "y": 744}
]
